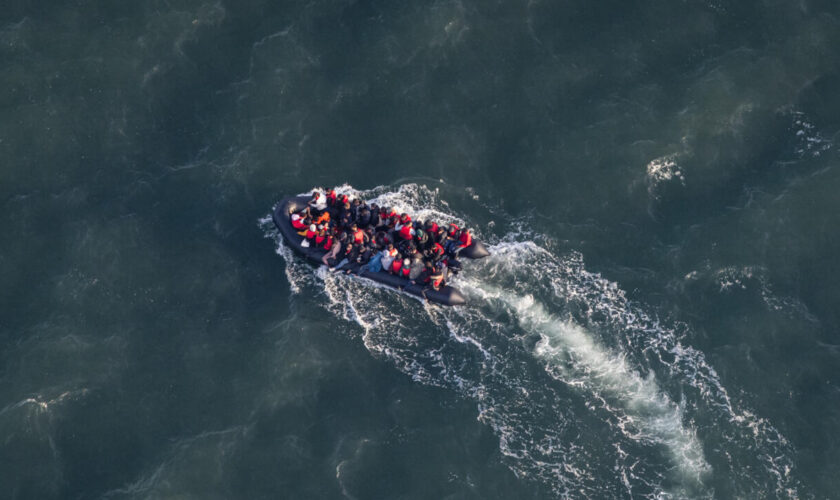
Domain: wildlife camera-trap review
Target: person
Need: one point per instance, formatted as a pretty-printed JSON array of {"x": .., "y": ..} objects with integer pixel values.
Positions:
[
  {"x": 432, "y": 229},
  {"x": 465, "y": 239},
  {"x": 421, "y": 239},
  {"x": 452, "y": 229},
  {"x": 404, "y": 220},
  {"x": 338, "y": 246},
  {"x": 381, "y": 239},
  {"x": 364, "y": 254},
  {"x": 329, "y": 258},
  {"x": 435, "y": 252},
  {"x": 318, "y": 203},
  {"x": 405, "y": 269},
  {"x": 324, "y": 239},
  {"x": 453, "y": 266},
  {"x": 431, "y": 277},
  {"x": 436, "y": 279},
  {"x": 406, "y": 247},
  {"x": 309, "y": 236},
  {"x": 331, "y": 198},
  {"x": 450, "y": 241},
  {"x": 387, "y": 213},
  {"x": 306, "y": 223},
  {"x": 375, "y": 264},
  {"x": 323, "y": 218},
  {"x": 298, "y": 218},
  {"x": 358, "y": 235},
  {"x": 406, "y": 232},
  {"x": 348, "y": 256},
  {"x": 355, "y": 207},
  {"x": 396, "y": 265},
  {"x": 424, "y": 277},
  {"x": 364, "y": 219},
  {"x": 388, "y": 256},
  {"x": 374, "y": 216},
  {"x": 345, "y": 215},
  {"x": 416, "y": 265}
]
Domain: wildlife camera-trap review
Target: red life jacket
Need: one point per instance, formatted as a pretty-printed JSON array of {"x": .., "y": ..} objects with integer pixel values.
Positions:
[
  {"x": 437, "y": 248},
  {"x": 453, "y": 228},
  {"x": 359, "y": 236},
  {"x": 310, "y": 234},
  {"x": 331, "y": 198},
  {"x": 434, "y": 228},
  {"x": 405, "y": 232},
  {"x": 396, "y": 266},
  {"x": 329, "y": 243},
  {"x": 405, "y": 271},
  {"x": 465, "y": 239},
  {"x": 298, "y": 224},
  {"x": 438, "y": 282}
]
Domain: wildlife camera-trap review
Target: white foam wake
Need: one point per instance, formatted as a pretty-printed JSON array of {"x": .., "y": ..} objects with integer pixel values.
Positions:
[{"x": 573, "y": 356}]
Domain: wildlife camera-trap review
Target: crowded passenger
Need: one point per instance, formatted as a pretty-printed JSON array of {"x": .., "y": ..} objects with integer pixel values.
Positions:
[
  {"x": 370, "y": 239},
  {"x": 318, "y": 203}
]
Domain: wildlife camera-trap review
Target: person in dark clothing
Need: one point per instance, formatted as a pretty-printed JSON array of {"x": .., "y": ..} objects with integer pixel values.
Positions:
[
  {"x": 355, "y": 207},
  {"x": 421, "y": 239},
  {"x": 363, "y": 221},
  {"x": 406, "y": 247},
  {"x": 452, "y": 265},
  {"x": 435, "y": 252},
  {"x": 347, "y": 256},
  {"x": 433, "y": 230},
  {"x": 437, "y": 278},
  {"x": 424, "y": 277},
  {"x": 364, "y": 254},
  {"x": 345, "y": 217},
  {"x": 374, "y": 215},
  {"x": 381, "y": 239},
  {"x": 345, "y": 212}
]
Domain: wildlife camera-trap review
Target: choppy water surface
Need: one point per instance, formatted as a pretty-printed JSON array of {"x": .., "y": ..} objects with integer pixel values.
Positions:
[{"x": 656, "y": 181}]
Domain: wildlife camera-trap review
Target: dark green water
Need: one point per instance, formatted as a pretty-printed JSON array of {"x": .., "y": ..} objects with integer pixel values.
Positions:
[{"x": 657, "y": 182}]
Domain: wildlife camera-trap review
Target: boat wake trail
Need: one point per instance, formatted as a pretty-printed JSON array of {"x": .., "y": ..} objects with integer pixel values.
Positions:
[{"x": 588, "y": 394}]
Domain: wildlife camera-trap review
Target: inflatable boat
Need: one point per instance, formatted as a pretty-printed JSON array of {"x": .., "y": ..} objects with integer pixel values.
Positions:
[{"x": 446, "y": 295}]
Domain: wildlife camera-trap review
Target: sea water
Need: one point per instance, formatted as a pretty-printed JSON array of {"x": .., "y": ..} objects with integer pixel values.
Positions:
[{"x": 656, "y": 182}]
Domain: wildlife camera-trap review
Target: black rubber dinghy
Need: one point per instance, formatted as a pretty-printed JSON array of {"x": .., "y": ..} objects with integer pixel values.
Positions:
[{"x": 446, "y": 295}]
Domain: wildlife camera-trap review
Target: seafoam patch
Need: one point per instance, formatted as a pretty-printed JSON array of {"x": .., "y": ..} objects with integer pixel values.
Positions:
[
  {"x": 663, "y": 169},
  {"x": 809, "y": 142}
]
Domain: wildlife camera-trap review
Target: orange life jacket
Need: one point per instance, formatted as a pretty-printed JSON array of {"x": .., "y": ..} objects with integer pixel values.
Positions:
[{"x": 359, "y": 236}]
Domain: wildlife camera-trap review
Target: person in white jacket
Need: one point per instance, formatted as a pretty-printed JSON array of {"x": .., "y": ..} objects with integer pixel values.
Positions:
[
  {"x": 318, "y": 201},
  {"x": 388, "y": 256}
]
